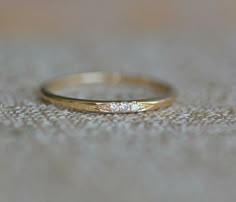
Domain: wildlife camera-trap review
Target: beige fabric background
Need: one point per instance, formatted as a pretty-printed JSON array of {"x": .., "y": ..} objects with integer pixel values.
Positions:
[{"x": 183, "y": 153}]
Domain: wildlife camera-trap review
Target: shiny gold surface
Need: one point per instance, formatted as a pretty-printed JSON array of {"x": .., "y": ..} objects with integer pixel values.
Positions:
[{"x": 48, "y": 93}]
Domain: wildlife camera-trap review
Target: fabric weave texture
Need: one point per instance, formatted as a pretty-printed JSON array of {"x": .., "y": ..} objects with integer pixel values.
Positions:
[{"x": 183, "y": 153}]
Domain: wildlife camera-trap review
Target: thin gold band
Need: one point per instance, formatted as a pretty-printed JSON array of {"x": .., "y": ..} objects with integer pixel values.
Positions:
[{"x": 107, "y": 106}]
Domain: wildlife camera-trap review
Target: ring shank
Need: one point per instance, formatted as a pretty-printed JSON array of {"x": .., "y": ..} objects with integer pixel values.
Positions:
[{"x": 48, "y": 93}]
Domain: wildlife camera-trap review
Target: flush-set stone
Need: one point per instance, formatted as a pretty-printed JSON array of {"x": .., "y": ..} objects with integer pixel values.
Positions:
[
  {"x": 135, "y": 107},
  {"x": 115, "y": 107},
  {"x": 124, "y": 107}
]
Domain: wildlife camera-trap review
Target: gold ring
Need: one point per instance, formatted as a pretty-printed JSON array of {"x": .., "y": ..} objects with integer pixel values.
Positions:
[{"x": 49, "y": 89}]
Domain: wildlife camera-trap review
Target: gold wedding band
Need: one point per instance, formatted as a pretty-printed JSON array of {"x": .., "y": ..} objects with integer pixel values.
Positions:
[{"x": 49, "y": 89}]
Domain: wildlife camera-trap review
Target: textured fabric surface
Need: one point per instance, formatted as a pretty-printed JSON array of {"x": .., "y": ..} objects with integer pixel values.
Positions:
[{"x": 184, "y": 153}]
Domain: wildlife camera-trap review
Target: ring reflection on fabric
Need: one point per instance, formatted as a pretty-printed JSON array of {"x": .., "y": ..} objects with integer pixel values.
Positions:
[{"x": 48, "y": 93}]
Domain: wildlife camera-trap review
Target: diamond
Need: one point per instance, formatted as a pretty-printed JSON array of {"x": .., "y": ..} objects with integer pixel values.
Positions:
[
  {"x": 135, "y": 107},
  {"x": 114, "y": 107},
  {"x": 124, "y": 107}
]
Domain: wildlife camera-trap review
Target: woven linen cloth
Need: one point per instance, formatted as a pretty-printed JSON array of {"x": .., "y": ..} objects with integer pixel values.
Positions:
[{"x": 184, "y": 153}]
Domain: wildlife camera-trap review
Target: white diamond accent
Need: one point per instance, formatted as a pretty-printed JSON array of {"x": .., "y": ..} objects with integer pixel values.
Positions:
[
  {"x": 135, "y": 107},
  {"x": 114, "y": 107},
  {"x": 124, "y": 107}
]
